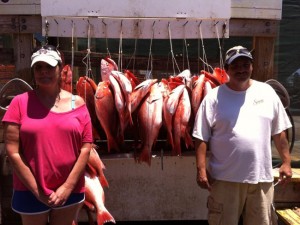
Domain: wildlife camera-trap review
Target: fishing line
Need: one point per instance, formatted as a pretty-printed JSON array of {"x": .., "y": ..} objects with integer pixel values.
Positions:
[
  {"x": 204, "y": 58},
  {"x": 186, "y": 47},
  {"x": 72, "y": 55},
  {"x": 88, "y": 60},
  {"x": 150, "y": 59},
  {"x": 220, "y": 47},
  {"x": 134, "y": 51},
  {"x": 171, "y": 49},
  {"x": 120, "y": 48},
  {"x": 106, "y": 40}
]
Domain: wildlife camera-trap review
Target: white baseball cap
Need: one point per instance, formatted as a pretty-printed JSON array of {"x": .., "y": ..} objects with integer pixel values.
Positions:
[{"x": 47, "y": 54}]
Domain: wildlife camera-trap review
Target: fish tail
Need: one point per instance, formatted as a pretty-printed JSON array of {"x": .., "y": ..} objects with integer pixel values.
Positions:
[
  {"x": 112, "y": 144},
  {"x": 145, "y": 156},
  {"x": 188, "y": 139},
  {"x": 105, "y": 217}
]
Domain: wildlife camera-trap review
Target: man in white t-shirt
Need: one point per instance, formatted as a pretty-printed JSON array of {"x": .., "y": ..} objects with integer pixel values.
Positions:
[{"x": 235, "y": 122}]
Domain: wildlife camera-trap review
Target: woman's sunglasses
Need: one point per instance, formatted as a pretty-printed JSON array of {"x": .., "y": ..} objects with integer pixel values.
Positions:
[{"x": 46, "y": 48}]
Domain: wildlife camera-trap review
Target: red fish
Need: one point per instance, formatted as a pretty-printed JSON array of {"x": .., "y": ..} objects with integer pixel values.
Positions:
[
  {"x": 140, "y": 92},
  {"x": 186, "y": 77},
  {"x": 107, "y": 114},
  {"x": 126, "y": 89},
  {"x": 169, "y": 109},
  {"x": 66, "y": 78},
  {"x": 119, "y": 104},
  {"x": 211, "y": 77},
  {"x": 86, "y": 88},
  {"x": 181, "y": 123},
  {"x": 95, "y": 167},
  {"x": 221, "y": 75},
  {"x": 150, "y": 122},
  {"x": 197, "y": 92},
  {"x": 133, "y": 79},
  {"x": 207, "y": 88},
  {"x": 94, "y": 198},
  {"x": 107, "y": 65}
]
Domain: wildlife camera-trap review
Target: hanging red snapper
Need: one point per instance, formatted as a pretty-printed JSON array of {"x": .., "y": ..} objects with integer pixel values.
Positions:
[
  {"x": 95, "y": 167},
  {"x": 169, "y": 108},
  {"x": 66, "y": 78},
  {"x": 107, "y": 114},
  {"x": 150, "y": 122},
  {"x": 197, "y": 92},
  {"x": 181, "y": 123},
  {"x": 94, "y": 196},
  {"x": 126, "y": 90},
  {"x": 120, "y": 105},
  {"x": 107, "y": 65},
  {"x": 86, "y": 88},
  {"x": 140, "y": 92}
]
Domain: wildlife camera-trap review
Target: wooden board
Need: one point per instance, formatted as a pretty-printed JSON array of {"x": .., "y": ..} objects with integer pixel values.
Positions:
[
  {"x": 20, "y": 7},
  {"x": 256, "y": 9},
  {"x": 289, "y": 216},
  {"x": 138, "y": 8}
]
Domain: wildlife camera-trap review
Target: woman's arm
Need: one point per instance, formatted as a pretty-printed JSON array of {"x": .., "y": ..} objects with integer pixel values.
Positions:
[{"x": 19, "y": 164}]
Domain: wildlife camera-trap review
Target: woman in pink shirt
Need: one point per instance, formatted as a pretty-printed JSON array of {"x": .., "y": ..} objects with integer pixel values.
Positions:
[{"x": 48, "y": 137}]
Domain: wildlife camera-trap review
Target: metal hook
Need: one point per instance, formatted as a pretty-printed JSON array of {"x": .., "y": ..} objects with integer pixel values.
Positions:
[
  {"x": 153, "y": 23},
  {"x": 46, "y": 32}
]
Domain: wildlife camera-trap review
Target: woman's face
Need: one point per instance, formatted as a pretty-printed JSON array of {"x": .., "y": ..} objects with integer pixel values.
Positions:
[{"x": 46, "y": 75}]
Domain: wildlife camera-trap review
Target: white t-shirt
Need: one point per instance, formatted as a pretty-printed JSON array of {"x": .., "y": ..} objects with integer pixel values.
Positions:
[{"x": 238, "y": 126}]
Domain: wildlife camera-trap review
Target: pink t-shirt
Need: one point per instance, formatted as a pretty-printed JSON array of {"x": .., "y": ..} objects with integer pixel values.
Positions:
[{"x": 50, "y": 141}]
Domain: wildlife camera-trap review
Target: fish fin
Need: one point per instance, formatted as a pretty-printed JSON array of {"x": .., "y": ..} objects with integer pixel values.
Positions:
[
  {"x": 90, "y": 206},
  {"x": 105, "y": 217},
  {"x": 103, "y": 181}
]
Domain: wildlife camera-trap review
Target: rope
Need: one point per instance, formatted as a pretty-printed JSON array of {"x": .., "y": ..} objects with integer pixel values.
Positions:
[
  {"x": 120, "y": 48},
  {"x": 172, "y": 53},
  {"x": 88, "y": 59},
  {"x": 106, "y": 40},
  {"x": 186, "y": 48},
  {"x": 220, "y": 48},
  {"x": 206, "y": 66},
  {"x": 150, "y": 58},
  {"x": 134, "y": 51},
  {"x": 72, "y": 58}
]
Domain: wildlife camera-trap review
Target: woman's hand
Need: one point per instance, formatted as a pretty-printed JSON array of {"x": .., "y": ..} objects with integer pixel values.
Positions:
[{"x": 60, "y": 196}]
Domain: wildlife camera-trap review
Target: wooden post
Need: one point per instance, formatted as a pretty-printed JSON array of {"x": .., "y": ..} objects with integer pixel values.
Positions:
[
  {"x": 263, "y": 68},
  {"x": 23, "y": 47}
]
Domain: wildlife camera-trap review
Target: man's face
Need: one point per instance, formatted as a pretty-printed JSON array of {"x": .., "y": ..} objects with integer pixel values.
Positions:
[{"x": 240, "y": 69}]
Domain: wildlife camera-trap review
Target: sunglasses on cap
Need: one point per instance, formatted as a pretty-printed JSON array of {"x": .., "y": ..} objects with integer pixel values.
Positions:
[
  {"x": 236, "y": 52},
  {"x": 45, "y": 48}
]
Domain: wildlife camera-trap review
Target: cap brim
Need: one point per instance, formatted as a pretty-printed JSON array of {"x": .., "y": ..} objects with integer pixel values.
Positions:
[
  {"x": 44, "y": 58},
  {"x": 229, "y": 61}
]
